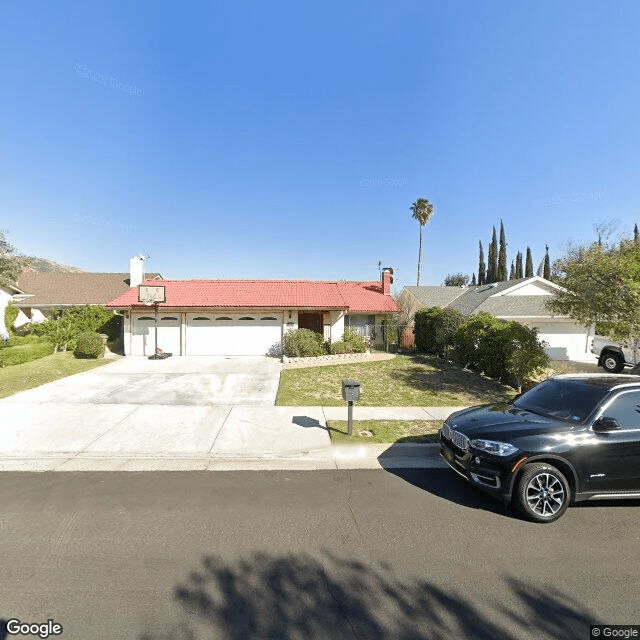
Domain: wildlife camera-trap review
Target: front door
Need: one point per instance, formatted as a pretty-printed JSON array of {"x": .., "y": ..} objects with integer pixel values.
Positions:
[{"x": 311, "y": 320}]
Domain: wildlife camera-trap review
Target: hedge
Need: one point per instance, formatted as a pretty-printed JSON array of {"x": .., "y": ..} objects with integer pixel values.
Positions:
[
  {"x": 14, "y": 341},
  {"x": 24, "y": 353},
  {"x": 506, "y": 351}
]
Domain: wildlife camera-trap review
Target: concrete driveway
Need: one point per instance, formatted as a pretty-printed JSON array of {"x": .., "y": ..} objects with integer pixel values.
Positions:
[{"x": 135, "y": 413}]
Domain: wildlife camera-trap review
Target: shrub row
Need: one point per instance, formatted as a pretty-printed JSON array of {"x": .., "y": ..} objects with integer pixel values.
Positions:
[
  {"x": 506, "y": 351},
  {"x": 302, "y": 343},
  {"x": 14, "y": 341},
  {"x": 25, "y": 353}
]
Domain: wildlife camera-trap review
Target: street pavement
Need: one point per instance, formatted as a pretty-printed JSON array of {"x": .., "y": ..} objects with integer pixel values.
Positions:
[{"x": 186, "y": 413}]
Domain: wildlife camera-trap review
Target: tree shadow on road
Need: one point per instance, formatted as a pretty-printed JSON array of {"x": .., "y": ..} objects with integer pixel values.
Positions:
[{"x": 302, "y": 597}]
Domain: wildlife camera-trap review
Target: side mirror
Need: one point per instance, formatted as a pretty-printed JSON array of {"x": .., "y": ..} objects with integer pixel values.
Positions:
[{"x": 605, "y": 424}]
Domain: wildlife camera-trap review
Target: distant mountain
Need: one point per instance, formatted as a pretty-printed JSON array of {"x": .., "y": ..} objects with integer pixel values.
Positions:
[{"x": 42, "y": 265}]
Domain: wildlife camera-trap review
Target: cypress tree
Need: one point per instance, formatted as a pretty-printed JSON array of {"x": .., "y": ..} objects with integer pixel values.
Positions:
[
  {"x": 519, "y": 266},
  {"x": 482, "y": 267},
  {"x": 473, "y": 280},
  {"x": 501, "y": 273},
  {"x": 512, "y": 273},
  {"x": 528, "y": 271},
  {"x": 636, "y": 233},
  {"x": 546, "y": 272},
  {"x": 492, "y": 267}
]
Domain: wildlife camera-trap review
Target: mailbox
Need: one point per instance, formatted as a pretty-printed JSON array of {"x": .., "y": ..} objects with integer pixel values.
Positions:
[{"x": 350, "y": 390}]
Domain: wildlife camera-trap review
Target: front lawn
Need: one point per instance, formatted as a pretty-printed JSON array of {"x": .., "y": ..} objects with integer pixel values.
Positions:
[
  {"x": 403, "y": 381},
  {"x": 368, "y": 431},
  {"x": 32, "y": 374}
]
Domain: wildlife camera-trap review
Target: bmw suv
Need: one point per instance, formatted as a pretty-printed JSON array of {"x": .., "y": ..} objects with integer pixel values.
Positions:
[{"x": 568, "y": 439}]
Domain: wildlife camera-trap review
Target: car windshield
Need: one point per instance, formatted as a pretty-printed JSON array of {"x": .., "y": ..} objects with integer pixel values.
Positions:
[{"x": 571, "y": 400}]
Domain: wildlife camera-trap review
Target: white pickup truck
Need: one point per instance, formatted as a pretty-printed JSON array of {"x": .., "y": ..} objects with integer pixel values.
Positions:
[{"x": 613, "y": 357}]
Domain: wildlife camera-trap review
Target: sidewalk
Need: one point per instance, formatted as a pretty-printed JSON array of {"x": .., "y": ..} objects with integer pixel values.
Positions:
[{"x": 219, "y": 438}]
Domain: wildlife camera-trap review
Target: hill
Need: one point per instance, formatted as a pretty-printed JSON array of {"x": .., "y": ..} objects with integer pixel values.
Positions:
[{"x": 42, "y": 265}]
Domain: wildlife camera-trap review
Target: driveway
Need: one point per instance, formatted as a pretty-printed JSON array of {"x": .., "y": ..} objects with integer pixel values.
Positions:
[{"x": 192, "y": 408}]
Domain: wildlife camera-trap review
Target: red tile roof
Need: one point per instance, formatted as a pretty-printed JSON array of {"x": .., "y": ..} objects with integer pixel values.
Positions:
[{"x": 363, "y": 297}]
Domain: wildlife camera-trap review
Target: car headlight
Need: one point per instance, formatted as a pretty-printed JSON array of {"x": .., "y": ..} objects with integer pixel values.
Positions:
[{"x": 493, "y": 447}]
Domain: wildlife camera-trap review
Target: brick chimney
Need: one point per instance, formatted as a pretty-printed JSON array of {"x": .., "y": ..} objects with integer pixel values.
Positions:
[{"x": 387, "y": 280}]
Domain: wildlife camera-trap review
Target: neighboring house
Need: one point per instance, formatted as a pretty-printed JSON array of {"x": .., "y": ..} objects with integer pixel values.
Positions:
[
  {"x": 520, "y": 300},
  {"x": 9, "y": 294},
  {"x": 59, "y": 291},
  {"x": 248, "y": 317}
]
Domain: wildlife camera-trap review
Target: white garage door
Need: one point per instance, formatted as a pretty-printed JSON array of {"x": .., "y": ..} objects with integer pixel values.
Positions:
[
  {"x": 233, "y": 334},
  {"x": 143, "y": 334}
]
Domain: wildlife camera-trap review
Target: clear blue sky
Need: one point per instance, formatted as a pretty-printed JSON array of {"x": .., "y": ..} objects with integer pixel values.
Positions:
[{"x": 289, "y": 139}]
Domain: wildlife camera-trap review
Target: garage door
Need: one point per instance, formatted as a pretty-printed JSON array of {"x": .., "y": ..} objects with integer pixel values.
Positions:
[
  {"x": 233, "y": 334},
  {"x": 143, "y": 334}
]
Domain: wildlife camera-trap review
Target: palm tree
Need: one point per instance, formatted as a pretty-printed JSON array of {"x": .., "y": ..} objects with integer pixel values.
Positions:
[{"x": 422, "y": 210}]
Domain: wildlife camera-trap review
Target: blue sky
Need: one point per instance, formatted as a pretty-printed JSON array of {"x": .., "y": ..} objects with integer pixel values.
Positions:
[{"x": 289, "y": 139}]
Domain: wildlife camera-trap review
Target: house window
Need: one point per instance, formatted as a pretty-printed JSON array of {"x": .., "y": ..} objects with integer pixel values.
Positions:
[
  {"x": 268, "y": 318},
  {"x": 169, "y": 318},
  {"x": 247, "y": 318},
  {"x": 146, "y": 318},
  {"x": 223, "y": 318},
  {"x": 200, "y": 318}
]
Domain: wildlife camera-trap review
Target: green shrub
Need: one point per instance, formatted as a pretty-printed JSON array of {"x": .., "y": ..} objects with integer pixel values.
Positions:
[
  {"x": 301, "y": 343},
  {"x": 445, "y": 326},
  {"x": 89, "y": 345},
  {"x": 24, "y": 353},
  {"x": 355, "y": 341},
  {"x": 471, "y": 347},
  {"x": 341, "y": 347},
  {"x": 425, "y": 323},
  {"x": 10, "y": 315}
]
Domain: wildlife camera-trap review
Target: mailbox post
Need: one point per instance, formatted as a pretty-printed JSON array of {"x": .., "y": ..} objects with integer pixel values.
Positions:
[{"x": 350, "y": 393}]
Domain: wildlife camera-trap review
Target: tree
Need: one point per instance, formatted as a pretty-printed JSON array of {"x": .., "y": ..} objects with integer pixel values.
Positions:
[
  {"x": 456, "y": 280},
  {"x": 546, "y": 271},
  {"x": 492, "y": 268},
  {"x": 473, "y": 280},
  {"x": 501, "y": 273},
  {"x": 482, "y": 267},
  {"x": 636, "y": 233},
  {"x": 601, "y": 286},
  {"x": 519, "y": 273},
  {"x": 528, "y": 272},
  {"x": 10, "y": 265},
  {"x": 422, "y": 211},
  {"x": 512, "y": 273}
]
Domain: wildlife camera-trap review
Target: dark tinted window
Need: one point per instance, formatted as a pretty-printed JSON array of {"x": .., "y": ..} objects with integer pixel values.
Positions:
[
  {"x": 625, "y": 410},
  {"x": 565, "y": 399}
]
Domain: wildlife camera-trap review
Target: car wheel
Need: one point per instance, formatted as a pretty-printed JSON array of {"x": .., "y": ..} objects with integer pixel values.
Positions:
[
  {"x": 543, "y": 493},
  {"x": 613, "y": 363}
]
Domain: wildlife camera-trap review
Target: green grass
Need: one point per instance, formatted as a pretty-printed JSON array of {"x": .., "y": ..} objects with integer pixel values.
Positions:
[
  {"x": 32, "y": 374},
  {"x": 402, "y": 381},
  {"x": 368, "y": 431}
]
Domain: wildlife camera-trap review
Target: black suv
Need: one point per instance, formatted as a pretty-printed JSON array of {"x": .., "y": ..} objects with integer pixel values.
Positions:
[{"x": 569, "y": 438}]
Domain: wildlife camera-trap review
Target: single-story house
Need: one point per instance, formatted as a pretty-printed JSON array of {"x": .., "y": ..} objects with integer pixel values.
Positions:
[
  {"x": 247, "y": 317},
  {"x": 521, "y": 300},
  {"x": 45, "y": 291}
]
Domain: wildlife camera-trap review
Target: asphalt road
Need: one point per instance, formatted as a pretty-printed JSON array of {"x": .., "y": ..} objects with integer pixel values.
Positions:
[{"x": 367, "y": 554}]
